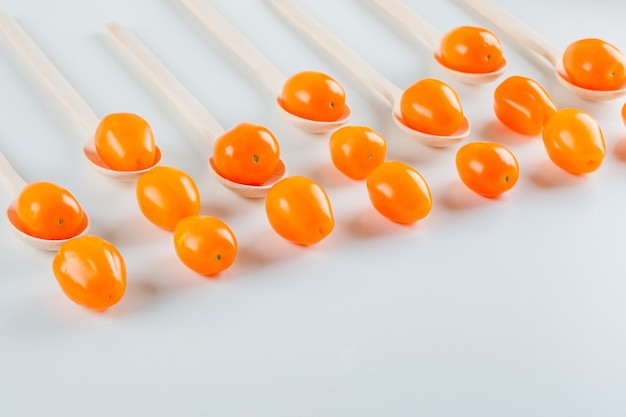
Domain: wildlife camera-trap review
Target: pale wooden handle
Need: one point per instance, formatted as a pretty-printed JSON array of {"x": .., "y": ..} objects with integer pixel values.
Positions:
[
  {"x": 337, "y": 49},
  {"x": 223, "y": 30},
  {"x": 10, "y": 177},
  {"x": 189, "y": 107},
  {"x": 47, "y": 73},
  {"x": 516, "y": 29},
  {"x": 411, "y": 21}
]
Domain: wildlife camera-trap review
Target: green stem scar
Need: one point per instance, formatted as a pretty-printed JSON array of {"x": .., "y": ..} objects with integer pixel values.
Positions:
[
  {"x": 506, "y": 179},
  {"x": 332, "y": 105},
  {"x": 219, "y": 257},
  {"x": 256, "y": 159},
  {"x": 60, "y": 222}
]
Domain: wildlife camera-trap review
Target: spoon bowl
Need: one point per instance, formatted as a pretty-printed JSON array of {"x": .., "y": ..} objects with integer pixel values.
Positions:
[
  {"x": 15, "y": 184},
  {"x": 89, "y": 149},
  {"x": 250, "y": 191},
  {"x": 314, "y": 126},
  {"x": 585, "y": 93},
  {"x": 472, "y": 78},
  {"x": 39, "y": 243},
  {"x": 189, "y": 107},
  {"x": 533, "y": 41},
  {"x": 434, "y": 141},
  {"x": 214, "y": 23}
]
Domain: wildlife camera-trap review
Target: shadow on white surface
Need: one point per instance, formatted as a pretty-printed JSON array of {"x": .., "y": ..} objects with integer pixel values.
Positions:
[
  {"x": 548, "y": 175},
  {"x": 330, "y": 177},
  {"x": 456, "y": 196},
  {"x": 369, "y": 224},
  {"x": 495, "y": 131}
]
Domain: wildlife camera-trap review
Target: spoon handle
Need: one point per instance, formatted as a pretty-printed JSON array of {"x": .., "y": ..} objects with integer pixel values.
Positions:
[
  {"x": 10, "y": 177},
  {"x": 189, "y": 107},
  {"x": 337, "y": 49},
  {"x": 223, "y": 30},
  {"x": 411, "y": 21},
  {"x": 516, "y": 29},
  {"x": 49, "y": 75}
]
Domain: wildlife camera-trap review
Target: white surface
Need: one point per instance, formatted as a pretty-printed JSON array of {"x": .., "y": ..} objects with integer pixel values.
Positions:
[{"x": 485, "y": 308}]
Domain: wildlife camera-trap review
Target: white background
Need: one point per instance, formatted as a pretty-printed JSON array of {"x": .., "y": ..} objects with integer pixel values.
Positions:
[{"x": 512, "y": 307}]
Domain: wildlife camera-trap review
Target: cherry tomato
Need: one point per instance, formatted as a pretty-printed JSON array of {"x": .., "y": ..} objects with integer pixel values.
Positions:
[
  {"x": 246, "y": 154},
  {"x": 314, "y": 96},
  {"x": 523, "y": 105},
  {"x": 471, "y": 49},
  {"x": 167, "y": 195},
  {"x": 205, "y": 244},
  {"x": 399, "y": 192},
  {"x": 47, "y": 211},
  {"x": 624, "y": 114},
  {"x": 299, "y": 210},
  {"x": 574, "y": 141},
  {"x": 487, "y": 168},
  {"x": 595, "y": 65},
  {"x": 124, "y": 141},
  {"x": 431, "y": 106},
  {"x": 357, "y": 150},
  {"x": 91, "y": 272}
]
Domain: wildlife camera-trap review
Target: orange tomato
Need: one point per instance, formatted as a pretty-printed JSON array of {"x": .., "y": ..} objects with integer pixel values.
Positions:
[
  {"x": 624, "y": 114},
  {"x": 124, "y": 141},
  {"x": 399, "y": 192},
  {"x": 299, "y": 210},
  {"x": 91, "y": 272},
  {"x": 523, "y": 105},
  {"x": 357, "y": 150},
  {"x": 431, "y": 106},
  {"x": 167, "y": 195},
  {"x": 314, "y": 96},
  {"x": 205, "y": 244},
  {"x": 471, "y": 49},
  {"x": 595, "y": 64},
  {"x": 47, "y": 211},
  {"x": 246, "y": 154},
  {"x": 574, "y": 141},
  {"x": 487, "y": 168}
]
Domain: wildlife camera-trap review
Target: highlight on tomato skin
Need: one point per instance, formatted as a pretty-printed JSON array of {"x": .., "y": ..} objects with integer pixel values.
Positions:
[
  {"x": 431, "y": 106},
  {"x": 471, "y": 49},
  {"x": 125, "y": 142},
  {"x": 91, "y": 272},
  {"x": 246, "y": 154},
  {"x": 205, "y": 244},
  {"x": 357, "y": 150},
  {"x": 399, "y": 192},
  {"x": 523, "y": 105},
  {"x": 595, "y": 65},
  {"x": 489, "y": 169},
  {"x": 574, "y": 141},
  {"x": 167, "y": 195},
  {"x": 299, "y": 210},
  {"x": 47, "y": 211},
  {"x": 314, "y": 96}
]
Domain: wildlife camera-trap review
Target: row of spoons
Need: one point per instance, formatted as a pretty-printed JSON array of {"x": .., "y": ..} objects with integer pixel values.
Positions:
[{"x": 210, "y": 129}]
